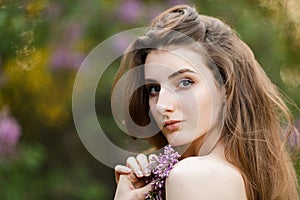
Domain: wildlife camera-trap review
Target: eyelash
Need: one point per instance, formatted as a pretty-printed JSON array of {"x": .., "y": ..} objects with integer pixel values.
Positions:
[
  {"x": 154, "y": 89},
  {"x": 182, "y": 81},
  {"x": 150, "y": 87}
]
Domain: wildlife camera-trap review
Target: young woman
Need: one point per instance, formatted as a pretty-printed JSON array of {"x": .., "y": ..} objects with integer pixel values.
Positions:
[{"x": 205, "y": 90}]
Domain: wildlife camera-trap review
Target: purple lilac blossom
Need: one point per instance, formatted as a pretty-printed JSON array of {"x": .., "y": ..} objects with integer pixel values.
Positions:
[
  {"x": 177, "y": 2},
  {"x": 65, "y": 54},
  {"x": 120, "y": 44},
  {"x": 10, "y": 133},
  {"x": 130, "y": 10},
  {"x": 63, "y": 58},
  {"x": 160, "y": 171},
  {"x": 294, "y": 138},
  {"x": 73, "y": 32}
]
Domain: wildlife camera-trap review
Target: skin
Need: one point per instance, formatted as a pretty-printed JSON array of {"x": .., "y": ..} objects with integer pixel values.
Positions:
[
  {"x": 205, "y": 177},
  {"x": 191, "y": 101},
  {"x": 191, "y": 98}
]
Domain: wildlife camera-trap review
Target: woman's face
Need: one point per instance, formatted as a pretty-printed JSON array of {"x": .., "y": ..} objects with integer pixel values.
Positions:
[{"x": 183, "y": 95}]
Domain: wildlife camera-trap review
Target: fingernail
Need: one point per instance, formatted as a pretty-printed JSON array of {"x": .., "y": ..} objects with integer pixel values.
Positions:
[
  {"x": 139, "y": 173},
  {"x": 147, "y": 172},
  {"x": 126, "y": 169}
]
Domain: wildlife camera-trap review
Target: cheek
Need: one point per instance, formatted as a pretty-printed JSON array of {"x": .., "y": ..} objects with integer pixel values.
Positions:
[
  {"x": 151, "y": 102},
  {"x": 152, "y": 105},
  {"x": 153, "y": 111},
  {"x": 203, "y": 109},
  {"x": 205, "y": 117}
]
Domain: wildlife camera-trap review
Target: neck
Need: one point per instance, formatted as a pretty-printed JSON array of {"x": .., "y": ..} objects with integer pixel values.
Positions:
[
  {"x": 205, "y": 145},
  {"x": 217, "y": 150}
]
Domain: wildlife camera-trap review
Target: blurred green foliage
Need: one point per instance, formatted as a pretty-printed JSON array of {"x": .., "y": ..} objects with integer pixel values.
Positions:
[
  {"x": 25, "y": 177},
  {"x": 42, "y": 44}
]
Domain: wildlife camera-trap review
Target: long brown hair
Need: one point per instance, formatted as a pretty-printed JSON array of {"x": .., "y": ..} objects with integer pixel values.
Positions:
[{"x": 257, "y": 121}]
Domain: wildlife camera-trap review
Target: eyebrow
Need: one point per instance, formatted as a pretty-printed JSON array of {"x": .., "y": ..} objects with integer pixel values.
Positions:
[
  {"x": 172, "y": 75},
  {"x": 148, "y": 80},
  {"x": 181, "y": 72}
]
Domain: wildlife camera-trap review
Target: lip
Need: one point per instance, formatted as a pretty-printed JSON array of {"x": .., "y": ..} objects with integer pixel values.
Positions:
[{"x": 172, "y": 125}]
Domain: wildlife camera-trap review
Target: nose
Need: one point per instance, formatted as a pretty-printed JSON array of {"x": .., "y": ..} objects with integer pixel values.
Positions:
[{"x": 166, "y": 101}]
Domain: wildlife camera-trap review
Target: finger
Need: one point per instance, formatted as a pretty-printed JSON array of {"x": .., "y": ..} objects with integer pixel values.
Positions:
[
  {"x": 152, "y": 161},
  {"x": 133, "y": 164},
  {"x": 121, "y": 169},
  {"x": 143, "y": 162},
  {"x": 139, "y": 183},
  {"x": 153, "y": 158},
  {"x": 124, "y": 187},
  {"x": 142, "y": 192}
]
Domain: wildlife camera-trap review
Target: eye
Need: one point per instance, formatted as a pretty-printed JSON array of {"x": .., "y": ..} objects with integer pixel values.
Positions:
[
  {"x": 185, "y": 83},
  {"x": 153, "y": 89}
]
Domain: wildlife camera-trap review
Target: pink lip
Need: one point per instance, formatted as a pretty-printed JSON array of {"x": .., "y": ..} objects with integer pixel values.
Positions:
[{"x": 172, "y": 125}]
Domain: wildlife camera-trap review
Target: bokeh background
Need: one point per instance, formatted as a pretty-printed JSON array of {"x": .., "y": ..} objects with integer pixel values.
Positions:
[{"x": 42, "y": 44}]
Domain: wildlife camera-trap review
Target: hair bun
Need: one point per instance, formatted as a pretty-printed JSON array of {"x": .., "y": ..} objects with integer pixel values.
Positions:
[{"x": 183, "y": 19}]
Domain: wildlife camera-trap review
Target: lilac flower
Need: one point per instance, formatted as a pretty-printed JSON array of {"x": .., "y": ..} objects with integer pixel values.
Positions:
[
  {"x": 177, "y": 2},
  {"x": 65, "y": 54},
  {"x": 160, "y": 171},
  {"x": 120, "y": 44},
  {"x": 294, "y": 138},
  {"x": 73, "y": 32},
  {"x": 130, "y": 10},
  {"x": 63, "y": 58},
  {"x": 10, "y": 132}
]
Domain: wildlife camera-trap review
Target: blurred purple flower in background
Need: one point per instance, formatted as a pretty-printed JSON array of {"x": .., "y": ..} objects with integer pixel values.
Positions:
[
  {"x": 294, "y": 138},
  {"x": 65, "y": 55},
  {"x": 74, "y": 32},
  {"x": 130, "y": 10},
  {"x": 10, "y": 132},
  {"x": 63, "y": 58},
  {"x": 121, "y": 43},
  {"x": 177, "y": 2}
]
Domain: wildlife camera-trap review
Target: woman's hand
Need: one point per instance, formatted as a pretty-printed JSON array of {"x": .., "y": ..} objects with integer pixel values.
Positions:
[
  {"x": 139, "y": 166},
  {"x": 130, "y": 178}
]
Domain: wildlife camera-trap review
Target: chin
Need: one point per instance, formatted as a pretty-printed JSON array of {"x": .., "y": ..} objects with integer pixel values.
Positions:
[{"x": 176, "y": 143}]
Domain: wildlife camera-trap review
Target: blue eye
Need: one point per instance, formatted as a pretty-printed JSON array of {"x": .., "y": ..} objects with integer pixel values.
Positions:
[
  {"x": 153, "y": 89},
  {"x": 185, "y": 83}
]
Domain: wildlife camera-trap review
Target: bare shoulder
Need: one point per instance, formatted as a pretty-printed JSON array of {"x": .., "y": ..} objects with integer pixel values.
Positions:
[{"x": 205, "y": 177}]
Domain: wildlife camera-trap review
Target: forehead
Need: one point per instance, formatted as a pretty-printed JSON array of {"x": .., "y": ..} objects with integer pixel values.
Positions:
[{"x": 159, "y": 61}]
